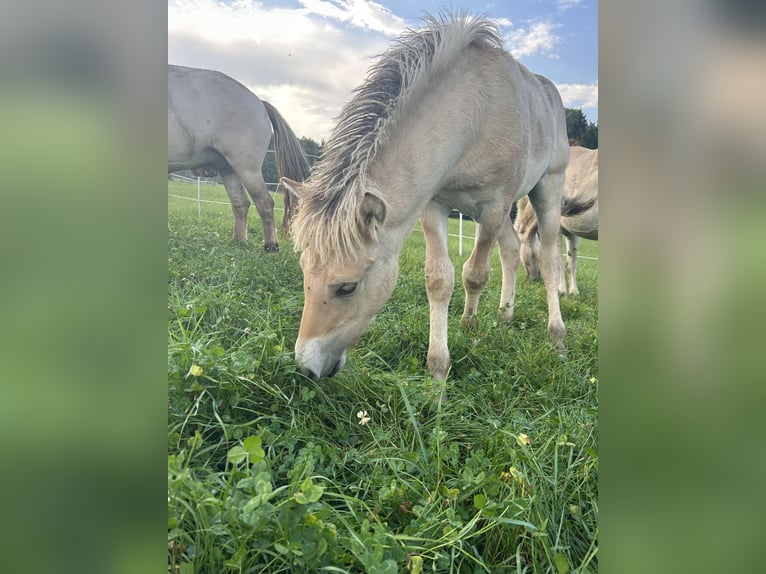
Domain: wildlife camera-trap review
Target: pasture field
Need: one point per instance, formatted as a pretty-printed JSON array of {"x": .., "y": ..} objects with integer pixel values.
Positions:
[{"x": 271, "y": 472}]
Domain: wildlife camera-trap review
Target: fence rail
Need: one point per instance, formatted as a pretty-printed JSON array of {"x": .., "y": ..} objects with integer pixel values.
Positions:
[{"x": 202, "y": 180}]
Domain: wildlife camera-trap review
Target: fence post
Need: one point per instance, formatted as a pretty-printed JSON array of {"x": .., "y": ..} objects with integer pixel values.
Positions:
[
  {"x": 460, "y": 233},
  {"x": 199, "y": 200}
]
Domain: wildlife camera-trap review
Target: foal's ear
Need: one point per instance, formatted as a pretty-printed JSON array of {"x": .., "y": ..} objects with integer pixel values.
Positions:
[
  {"x": 372, "y": 213},
  {"x": 294, "y": 187}
]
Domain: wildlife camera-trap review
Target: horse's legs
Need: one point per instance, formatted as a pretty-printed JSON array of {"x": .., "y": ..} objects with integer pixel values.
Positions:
[
  {"x": 239, "y": 203},
  {"x": 572, "y": 243},
  {"x": 440, "y": 280},
  {"x": 264, "y": 203},
  {"x": 508, "y": 242},
  {"x": 530, "y": 256},
  {"x": 546, "y": 199},
  {"x": 563, "y": 274},
  {"x": 476, "y": 268}
]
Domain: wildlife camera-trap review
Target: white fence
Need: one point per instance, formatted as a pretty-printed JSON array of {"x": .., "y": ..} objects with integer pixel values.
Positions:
[
  {"x": 200, "y": 181},
  {"x": 204, "y": 181}
]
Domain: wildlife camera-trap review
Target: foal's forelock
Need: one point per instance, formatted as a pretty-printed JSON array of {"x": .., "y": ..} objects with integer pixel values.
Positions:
[
  {"x": 323, "y": 238},
  {"x": 327, "y": 218}
]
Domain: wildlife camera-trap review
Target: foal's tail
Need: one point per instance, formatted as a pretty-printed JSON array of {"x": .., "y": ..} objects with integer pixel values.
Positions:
[
  {"x": 572, "y": 207},
  {"x": 290, "y": 159},
  {"x": 514, "y": 211}
]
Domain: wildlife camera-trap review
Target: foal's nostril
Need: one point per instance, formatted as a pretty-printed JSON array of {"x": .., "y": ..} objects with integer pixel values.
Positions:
[
  {"x": 310, "y": 374},
  {"x": 334, "y": 370}
]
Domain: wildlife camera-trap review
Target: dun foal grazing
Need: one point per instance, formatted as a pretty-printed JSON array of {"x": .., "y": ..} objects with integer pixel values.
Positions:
[
  {"x": 445, "y": 119},
  {"x": 579, "y": 217},
  {"x": 215, "y": 124}
]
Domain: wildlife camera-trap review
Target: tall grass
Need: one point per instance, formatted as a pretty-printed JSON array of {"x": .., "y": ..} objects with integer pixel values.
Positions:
[{"x": 271, "y": 472}]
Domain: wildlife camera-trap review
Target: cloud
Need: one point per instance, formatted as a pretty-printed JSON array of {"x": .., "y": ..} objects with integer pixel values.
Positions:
[
  {"x": 579, "y": 95},
  {"x": 361, "y": 13},
  {"x": 307, "y": 60},
  {"x": 565, "y": 5},
  {"x": 537, "y": 39},
  {"x": 305, "y": 63}
]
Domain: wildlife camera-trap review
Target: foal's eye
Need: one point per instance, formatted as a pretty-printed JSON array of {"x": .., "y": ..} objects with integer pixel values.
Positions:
[{"x": 345, "y": 289}]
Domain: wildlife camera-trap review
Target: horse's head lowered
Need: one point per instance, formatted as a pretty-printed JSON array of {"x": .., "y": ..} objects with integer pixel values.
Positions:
[{"x": 345, "y": 283}]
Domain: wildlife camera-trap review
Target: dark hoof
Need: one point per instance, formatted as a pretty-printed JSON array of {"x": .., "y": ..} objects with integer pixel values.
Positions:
[{"x": 271, "y": 248}]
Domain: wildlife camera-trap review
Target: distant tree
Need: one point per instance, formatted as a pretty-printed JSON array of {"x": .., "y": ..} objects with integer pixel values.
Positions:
[
  {"x": 590, "y": 137},
  {"x": 579, "y": 130},
  {"x": 269, "y": 169},
  {"x": 312, "y": 149},
  {"x": 577, "y": 123}
]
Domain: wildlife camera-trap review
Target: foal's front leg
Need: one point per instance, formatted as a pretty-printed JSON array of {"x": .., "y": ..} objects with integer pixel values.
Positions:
[{"x": 440, "y": 280}]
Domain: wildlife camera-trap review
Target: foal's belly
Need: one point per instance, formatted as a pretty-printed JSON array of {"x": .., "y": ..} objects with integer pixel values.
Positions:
[{"x": 475, "y": 203}]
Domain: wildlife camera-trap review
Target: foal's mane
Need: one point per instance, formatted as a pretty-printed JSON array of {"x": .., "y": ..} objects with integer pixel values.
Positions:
[{"x": 327, "y": 217}]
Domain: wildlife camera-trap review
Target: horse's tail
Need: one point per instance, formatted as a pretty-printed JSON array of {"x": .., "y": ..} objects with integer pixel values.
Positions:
[
  {"x": 514, "y": 211},
  {"x": 570, "y": 208},
  {"x": 290, "y": 160}
]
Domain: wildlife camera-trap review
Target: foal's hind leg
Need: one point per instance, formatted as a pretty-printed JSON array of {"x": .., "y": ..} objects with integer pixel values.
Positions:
[
  {"x": 508, "y": 242},
  {"x": 563, "y": 275},
  {"x": 240, "y": 203},
  {"x": 546, "y": 200},
  {"x": 264, "y": 203},
  {"x": 476, "y": 267}
]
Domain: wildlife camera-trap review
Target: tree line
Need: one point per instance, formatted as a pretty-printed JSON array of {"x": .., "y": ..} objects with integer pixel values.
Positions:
[{"x": 580, "y": 131}]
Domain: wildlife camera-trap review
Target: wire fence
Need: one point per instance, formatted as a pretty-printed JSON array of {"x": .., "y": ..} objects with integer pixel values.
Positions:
[{"x": 200, "y": 181}]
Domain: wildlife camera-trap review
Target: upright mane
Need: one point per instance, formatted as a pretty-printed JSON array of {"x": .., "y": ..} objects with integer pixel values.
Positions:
[{"x": 327, "y": 217}]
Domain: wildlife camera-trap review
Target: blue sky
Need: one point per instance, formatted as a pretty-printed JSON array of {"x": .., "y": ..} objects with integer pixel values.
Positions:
[{"x": 306, "y": 56}]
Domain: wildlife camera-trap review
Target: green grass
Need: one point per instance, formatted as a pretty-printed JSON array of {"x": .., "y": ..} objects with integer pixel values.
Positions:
[{"x": 271, "y": 472}]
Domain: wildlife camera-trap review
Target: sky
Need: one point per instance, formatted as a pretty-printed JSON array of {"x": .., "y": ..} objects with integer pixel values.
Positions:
[{"x": 307, "y": 56}]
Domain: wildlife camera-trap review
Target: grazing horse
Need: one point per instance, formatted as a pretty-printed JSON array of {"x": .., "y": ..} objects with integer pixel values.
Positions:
[
  {"x": 579, "y": 217},
  {"x": 215, "y": 124},
  {"x": 445, "y": 119}
]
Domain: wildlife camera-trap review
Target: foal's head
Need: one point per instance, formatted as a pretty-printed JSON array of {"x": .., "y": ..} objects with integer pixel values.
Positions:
[{"x": 348, "y": 275}]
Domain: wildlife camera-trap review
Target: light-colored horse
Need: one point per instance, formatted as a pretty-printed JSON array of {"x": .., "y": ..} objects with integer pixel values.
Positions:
[
  {"x": 445, "y": 119},
  {"x": 579, "y": 217},
  {"x": 215, "y": 124}
]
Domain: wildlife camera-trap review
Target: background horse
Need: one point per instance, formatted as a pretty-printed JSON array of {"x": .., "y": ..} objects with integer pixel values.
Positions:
[
  {"x": 215, "y": 124},
  {"x": 445, "y": 119},
  {"x": 579, "y": 217}
]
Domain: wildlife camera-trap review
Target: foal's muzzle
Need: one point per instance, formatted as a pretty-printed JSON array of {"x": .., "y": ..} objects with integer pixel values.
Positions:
[
  {"x": 316, "y": 360},
  {"x": 313, "y": 375}
]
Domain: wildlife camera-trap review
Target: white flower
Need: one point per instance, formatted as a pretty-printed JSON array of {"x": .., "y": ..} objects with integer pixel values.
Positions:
[{"x": 363, "y": 417}]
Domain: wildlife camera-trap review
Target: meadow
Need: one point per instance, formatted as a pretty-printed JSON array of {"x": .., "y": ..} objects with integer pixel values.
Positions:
[{"x": 271, "y": 472}]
